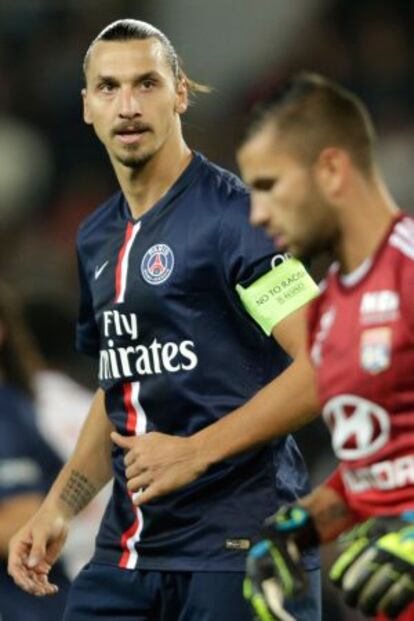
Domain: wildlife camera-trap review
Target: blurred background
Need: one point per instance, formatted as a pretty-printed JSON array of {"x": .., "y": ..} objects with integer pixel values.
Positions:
[{"x": 53, "y": 171}]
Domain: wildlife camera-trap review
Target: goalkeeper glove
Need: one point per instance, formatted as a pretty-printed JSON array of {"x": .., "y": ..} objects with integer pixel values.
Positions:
[
  {"x": 273, "y": 571},
  {"x": 376, "y": 571}
]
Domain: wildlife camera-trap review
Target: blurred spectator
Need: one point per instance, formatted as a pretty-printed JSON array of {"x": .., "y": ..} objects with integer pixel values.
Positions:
[
  {"x": 25, "y": 170},
  {"x": 27, "y": 464}
]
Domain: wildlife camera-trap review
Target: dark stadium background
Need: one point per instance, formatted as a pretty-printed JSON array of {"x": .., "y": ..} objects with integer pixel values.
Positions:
[{"x": 53, "y": 171}]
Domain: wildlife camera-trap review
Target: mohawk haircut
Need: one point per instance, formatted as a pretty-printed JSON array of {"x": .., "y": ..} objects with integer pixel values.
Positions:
[
  {"x": 312, "y": 112},
  {"x": 133, "y": 29}
]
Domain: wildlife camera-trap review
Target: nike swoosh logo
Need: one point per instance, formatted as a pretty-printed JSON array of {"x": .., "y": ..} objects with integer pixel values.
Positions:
[{"x": 99, "y": 270}]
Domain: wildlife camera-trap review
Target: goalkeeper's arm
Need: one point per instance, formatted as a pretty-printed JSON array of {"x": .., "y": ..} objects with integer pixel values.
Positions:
[{"x": 328, "y": 510}]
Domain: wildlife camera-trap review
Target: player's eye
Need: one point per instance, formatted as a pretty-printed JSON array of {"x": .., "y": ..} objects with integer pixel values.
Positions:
[
  {"x": 264, "y": 185},
  {"x": 106, "y": 87},
  {"x": 148, "y": 84}
]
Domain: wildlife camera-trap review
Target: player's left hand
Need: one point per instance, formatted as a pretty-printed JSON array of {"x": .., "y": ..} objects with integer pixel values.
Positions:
[
  {"x": 376, "y": 570},
  {"x": 157, "y": 464}
]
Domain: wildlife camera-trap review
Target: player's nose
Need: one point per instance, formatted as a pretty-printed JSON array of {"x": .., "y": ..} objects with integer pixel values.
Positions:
[
  {"x": 259, "y": 211},
  {"x": 129, "y": 104}
]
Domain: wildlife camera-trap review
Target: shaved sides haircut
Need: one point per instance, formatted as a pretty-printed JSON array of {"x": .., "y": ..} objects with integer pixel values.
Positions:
[{"x": 311, "y": 113}]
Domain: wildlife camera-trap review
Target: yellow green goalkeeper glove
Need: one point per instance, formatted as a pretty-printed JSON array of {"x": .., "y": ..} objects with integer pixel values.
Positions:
[
  {"x": 376, "y": 570},
  {"x": 273, "y": 570}
]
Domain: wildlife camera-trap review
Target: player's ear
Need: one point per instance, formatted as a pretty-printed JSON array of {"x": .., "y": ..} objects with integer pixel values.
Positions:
[
  {"x": 86, "y": 113},
  {"x": 331, "y": 171},
  {"x": 181, "y": 95}
]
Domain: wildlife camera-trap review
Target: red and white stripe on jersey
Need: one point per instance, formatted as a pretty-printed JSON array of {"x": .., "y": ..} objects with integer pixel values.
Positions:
[
  {"x": 402, "y": 237},
  {"x": 121, "y": 273},
  {"x": 136, "y": 425}
]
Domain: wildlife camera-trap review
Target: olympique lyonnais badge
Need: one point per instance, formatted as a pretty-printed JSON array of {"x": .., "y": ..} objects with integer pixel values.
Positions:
[
  {"x": 157, "y": 264},
  {"x": 376, "y": 349}
]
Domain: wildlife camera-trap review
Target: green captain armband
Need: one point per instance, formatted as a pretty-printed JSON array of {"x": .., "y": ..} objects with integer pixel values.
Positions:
[{"x": 278, "y": 293}]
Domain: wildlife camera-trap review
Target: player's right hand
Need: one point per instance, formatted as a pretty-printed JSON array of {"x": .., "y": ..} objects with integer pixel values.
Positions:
[{"x": 34, "y": 549}]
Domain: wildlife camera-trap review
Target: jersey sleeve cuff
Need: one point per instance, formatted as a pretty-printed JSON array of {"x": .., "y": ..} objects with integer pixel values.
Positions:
[
  {"x": 20, "y": 475},
  {"x": 277, "y": 294}
]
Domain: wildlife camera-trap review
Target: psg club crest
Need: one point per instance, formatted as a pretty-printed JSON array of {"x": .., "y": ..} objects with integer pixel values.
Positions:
[
  {"x": 157, "y": 264},
  {"x": 376, "y": 349}
]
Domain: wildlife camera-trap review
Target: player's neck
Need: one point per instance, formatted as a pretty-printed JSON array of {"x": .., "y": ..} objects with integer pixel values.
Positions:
[
  {"x": 143, "y": 188},
  {"x": 364, "y": 224}
]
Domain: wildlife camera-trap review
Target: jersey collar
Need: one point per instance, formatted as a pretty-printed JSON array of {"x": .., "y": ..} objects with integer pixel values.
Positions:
[
  {"x": 183, "y": 181},
  {"x": 354, "y": 278}
]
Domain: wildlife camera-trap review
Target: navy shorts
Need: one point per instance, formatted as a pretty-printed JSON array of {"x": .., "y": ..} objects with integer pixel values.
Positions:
[{"x": 110, "y": 593}]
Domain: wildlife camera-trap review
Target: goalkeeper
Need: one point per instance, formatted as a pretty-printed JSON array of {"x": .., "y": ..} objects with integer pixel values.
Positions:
[
  {"x": 326, "y": 193},
  {"x": 309, "y": 161}
]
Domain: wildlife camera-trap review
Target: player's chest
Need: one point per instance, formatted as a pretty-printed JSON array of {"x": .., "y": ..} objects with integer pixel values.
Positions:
[
  {"x": 366, "y": 360},
  {"x": 361, "y": 343},
  {"x": 144, "y": 269}
]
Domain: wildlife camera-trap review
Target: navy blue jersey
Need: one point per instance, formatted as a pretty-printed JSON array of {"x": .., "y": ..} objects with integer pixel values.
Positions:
[
  {"x": 177, "y": 352},
  {"x": 27, "y": 465}
]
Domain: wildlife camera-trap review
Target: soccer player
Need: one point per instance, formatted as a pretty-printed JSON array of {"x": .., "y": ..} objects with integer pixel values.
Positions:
[
  {"x": 27, "y": 464},
  {"x": 309, "y": 160},
  {"x": 170, "y": 269}
]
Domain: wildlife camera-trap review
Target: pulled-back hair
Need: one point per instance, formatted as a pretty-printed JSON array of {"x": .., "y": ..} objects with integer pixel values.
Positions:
[
  {"x": 313, "y": 112},
  {"x": 133, "y": 29}
]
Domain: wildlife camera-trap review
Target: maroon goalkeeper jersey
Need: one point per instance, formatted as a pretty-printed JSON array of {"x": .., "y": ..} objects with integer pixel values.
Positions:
[{"x": 361, "y": 331}]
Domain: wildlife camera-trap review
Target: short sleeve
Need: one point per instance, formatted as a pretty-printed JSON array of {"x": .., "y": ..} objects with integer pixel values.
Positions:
[
  {"x": 87, "y": 334},
  {"x": 27, "y": 464},
  {"x": 270, "y": 285},
  {"x": 19, "y": 475},
  {"x": 245, "y": 251}
]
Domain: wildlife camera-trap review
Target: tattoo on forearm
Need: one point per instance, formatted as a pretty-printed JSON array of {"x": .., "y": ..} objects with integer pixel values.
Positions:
[{"x": 77, "y": 492}]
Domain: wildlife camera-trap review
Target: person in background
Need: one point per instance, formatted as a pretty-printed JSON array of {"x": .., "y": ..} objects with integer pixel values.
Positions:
[{"x": 27, "y": 463}]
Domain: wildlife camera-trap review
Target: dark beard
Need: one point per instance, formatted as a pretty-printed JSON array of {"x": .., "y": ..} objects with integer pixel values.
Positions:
[
  {"x": 135, "y": 161},
  {"x": 321, "y": 247}
]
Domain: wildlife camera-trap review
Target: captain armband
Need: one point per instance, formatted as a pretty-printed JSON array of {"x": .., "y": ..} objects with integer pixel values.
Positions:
[{"x": 278, "y": 293}]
